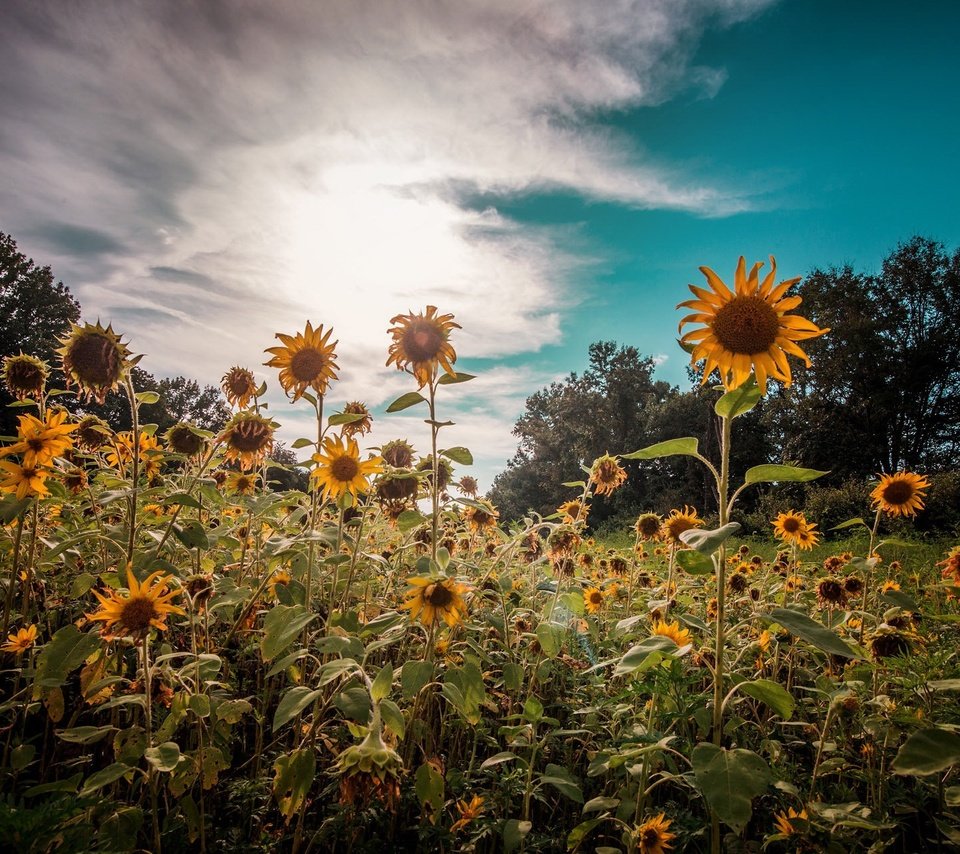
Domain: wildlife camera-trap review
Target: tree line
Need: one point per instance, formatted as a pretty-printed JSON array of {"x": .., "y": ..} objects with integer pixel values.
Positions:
[{"x": 882, "y": 394}]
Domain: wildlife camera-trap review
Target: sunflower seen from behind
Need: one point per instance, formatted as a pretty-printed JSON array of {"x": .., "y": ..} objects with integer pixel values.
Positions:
[
  {"x": 421, "y": 344},
  {"x": 746, "y": 329},
  {"x": 340, "y": 471},
  {"x": 306, "y": 360}
]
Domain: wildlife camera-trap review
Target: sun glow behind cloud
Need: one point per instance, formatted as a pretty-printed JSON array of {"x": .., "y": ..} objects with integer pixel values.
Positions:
[{"x": 205, "y": 175}]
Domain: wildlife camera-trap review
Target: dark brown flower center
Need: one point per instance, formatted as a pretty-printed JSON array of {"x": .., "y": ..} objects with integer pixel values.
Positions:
[
  {"x": 422, "y": 341},
  {"x": 791, "y": 525},
  {"x": 95, "y": 360},
  {"x": 137, "y": 613},
  {"x": 648, "y": 526},
  {"x": 308, "y": 364},
  {"x": 250, "y": 436},
  {"x": 24, "y": 376},
  {"x": 438, "y": 596},
  {"x": 185, "y": 441},
  {"x": 898, "y": 492},
  {"x": 746, "y": 324},
  {"x": 344, "y": 468}
]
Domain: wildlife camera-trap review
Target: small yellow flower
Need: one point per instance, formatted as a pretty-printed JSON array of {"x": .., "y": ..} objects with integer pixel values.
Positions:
[
  {"x": 679, "y": 521},
  {"x": 40, "y": 442},
  {"x": 783, "y": 821},
  {"x": 21, "y": 640},
  {"x": 469, "y": 812},
  {"x": 239, "y": 386},
  {"x": 25, "y": 481},
  {"x": 145, "y": 606},
  {"x": 653, "y": 837},
  {"x": 593, "y": 599}
]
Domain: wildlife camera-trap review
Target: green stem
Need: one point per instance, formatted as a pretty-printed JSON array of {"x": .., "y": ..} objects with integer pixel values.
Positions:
[
  {"x": 14, "y": 573},
  {"x": 135, "y": 446}
]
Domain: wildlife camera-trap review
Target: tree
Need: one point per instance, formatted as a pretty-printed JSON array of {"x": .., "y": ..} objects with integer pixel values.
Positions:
[
  {"x": 36, "y": 313},
  {"x": 883, "y": 390}
]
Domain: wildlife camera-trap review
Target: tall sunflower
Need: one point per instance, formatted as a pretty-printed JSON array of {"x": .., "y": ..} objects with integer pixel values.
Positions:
[
  {"x": 432, "y": 599},
  {"x": 239, "y": 386},
  {"x": 24, "y": 376},
  {"x": 481, "y": 517},
  {"x": 248, "y": 438},
  {"x": 606, "y": 474},
  {"x": 145, "y": 606},
  {"x": 421, "y": 344},
  {"x": 679, "y": 521},
  {"x": 340, "y": 470},
  {"x": 793, "y": 527},
  {"x": 40, "y": 441},
  {"x": 574, "y": 511},
  {"x": 747, "y": 328},
  {"x": 95, "y": 359},
  {"x": 307, "y": 360},
  {"x": 900, "y": 494}
]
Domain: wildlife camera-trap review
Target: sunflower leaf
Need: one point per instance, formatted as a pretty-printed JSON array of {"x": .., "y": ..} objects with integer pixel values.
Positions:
[
  {"x": 739, "y": 401},
  {"x": 339, "y": 418},
  {"x": 695, "y": 563},
  {"x": 458, "y": 454},
  {"x": 707, "y": 542},
  {"x": 672, "y": 447},
  {"x": 781, "y": 474},
  {"x": 405, "y": 401},
  {"x": 927, "y": 752},
  {"x": 455, "y": 377},
  {"x": 850, "y": 523},
  {"x": 811, "y": 631}
]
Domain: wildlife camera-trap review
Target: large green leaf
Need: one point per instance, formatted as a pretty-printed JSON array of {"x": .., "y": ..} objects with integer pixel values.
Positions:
[
  {"x": 739, "y": 401},
  {"x": 695, "y": 563},
  {"x": 66, "y": 651},
  {"x": 163, "y": 757},
  {"x": 729, "y": 781},
  {"x": 282, "y": 624},
  {"x": 413, "y": 676},
  {"x": 927, "y": 752},
  {"x": 772, "y": 693},
  {"x": 812, "y": 632},
  {"x": 454, "y": 378},
  {"x": 405, "y": 401},
  {"x": 563, "y": 781},
  {"x": 292, "y": 703},
  {"x": 673, "y": 447},
  {"x": 637, "y": 656},
  {"x": 707, "y": 542},
  {"x": 781, "y": 474},
  {"x": 458, "y": 454}
]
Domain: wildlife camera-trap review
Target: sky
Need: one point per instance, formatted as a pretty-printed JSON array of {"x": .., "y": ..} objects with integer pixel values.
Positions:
[{"x": 203, "y": 175}]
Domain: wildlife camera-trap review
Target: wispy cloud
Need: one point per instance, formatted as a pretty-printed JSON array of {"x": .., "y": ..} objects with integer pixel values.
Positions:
[{"x": 208, "y": 173}]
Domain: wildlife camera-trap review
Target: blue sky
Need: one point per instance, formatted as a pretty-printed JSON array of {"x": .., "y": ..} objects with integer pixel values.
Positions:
[{"x": 204, "y": 175}]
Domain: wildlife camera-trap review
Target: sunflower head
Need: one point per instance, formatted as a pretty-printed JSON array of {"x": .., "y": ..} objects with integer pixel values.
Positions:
[
  {"x": 363, "y": 422},
  {"x": 340, "y": 471},
  {"x": 606, "y": 474},
  {"x": 370, "y": 771},
  {"x": 574, "y": 511},
  {"x": 468, "y": 486},
  {"x": 900, "y": 494},
  {"x": 482, "y": 516},
  {"x": 433, "y": 599},
  {"x": 306, "y": 360},
  {"x": 790, "y": 822},
  {"x": 21, "y": 640},
  {"x": 75, "y": 480},
  {"x": 444, "y": 471},
  {"x": 92, "y": 433},
  {"x": 25, "y": 481},
  {"x": 241, "y": 483},
  {"x": 239, "y": 386},
  {"x": 679, "y": 521},
  {"x": 248, "y": 438},
  {"x": 421, "y": 344},
  {"x": 746, "y": 329},
  {"x": 398, "y": 453},
  {"x": 653, "y": 837},
  {"x": 25, "y": 376},
  {"x": 95, "y": 359},
  {"x": 593, "y": 599},
  {"x": 680, "y": 636},
  {"x": 789, "y": 526},
  {"x": 648, "y": 526},
  {"x": 184, "y": 438},
  {"x": 563, "y": 541},
  {"x": 145, "y": 606}
]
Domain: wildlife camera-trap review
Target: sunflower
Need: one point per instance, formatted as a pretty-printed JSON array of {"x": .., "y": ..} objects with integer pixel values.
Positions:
[
  {"x": 146, "y": 605},
  {"x": 593, "y": 599},
  {"x": 606, "y": 474},
  {"x": 679, "y": 521},
  {"x": 339, "y": 469},
  {"x": 280, "y": 578},
  {"x": 444, "y": 471},
  {"x": 681, "y": 637},
  {"x": 121, "y": 453},
  {"x": 469, "y": 812},
  {"x": 241, "y": 483},
  {"x": 25, "y": 481},
  {"x": 92, "y": 433},
  {"x": 783, "y": 821},
  {"x": 807, "y": 537},
  {"x": 951, "y": 565},
  {"x": 75, "y": 479},
  {"x": 747, "y": 328},
  {"x": 563, "y": 541},
  {"x": 95, "y": 359},
  {"x": 421, "y": 344},
  {"x": 481, "y": 518},
  {"x": 429, "y": 599},
  {"x": 248, "y": 438},
  {"x": 900, "y": 494},
  {"x": 25, "y": 376},
  {"x": 184, "y": 438},
  {"x": 574, "y": 511},
  {"x": 306, "y": 360},
  {"x": 21, "y": 640},
  {"x": 648, "y": 525},
  {"x": 363, "y": 422},
  {"x": 239, "y": 386},
  {"x": 39, "y": 442},
  {"x": 790, "y": 526},
  {"x": 830, "y": 594},
  {"x": 398, "y": 453},
  {"x": 653, "y": 837}
]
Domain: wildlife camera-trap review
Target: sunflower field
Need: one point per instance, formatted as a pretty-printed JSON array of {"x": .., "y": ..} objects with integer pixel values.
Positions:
[{"x": 193, "y": 661}]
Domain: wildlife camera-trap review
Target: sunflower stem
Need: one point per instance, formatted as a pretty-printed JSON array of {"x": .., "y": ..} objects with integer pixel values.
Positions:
[
  {"x": 14, "y": 573},
  {"x": 435, "y": 481},
  {"x": 148, "y": 720}
]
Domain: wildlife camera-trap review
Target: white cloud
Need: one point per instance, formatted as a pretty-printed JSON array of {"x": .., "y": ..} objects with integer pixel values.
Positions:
[{"x": 231, "y": 169}]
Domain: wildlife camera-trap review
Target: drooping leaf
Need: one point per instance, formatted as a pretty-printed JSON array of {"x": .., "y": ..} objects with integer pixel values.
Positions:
[
  {"x": 927, "y": 752},
  {"x": 781, "y": 474},
  {"x": 281, "y": 625},
  {"x": 695, "y": 563},
  {"x": 813, "y": 632},
  {"x": 65, "y": 652},
  {"x": 729, "y": 781},
  {"x": 739, "y": 401},
  {"x": 708, "y": 541},
  {"x": 405, "y": 401},
  {"x": 772, "y": 693}
]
